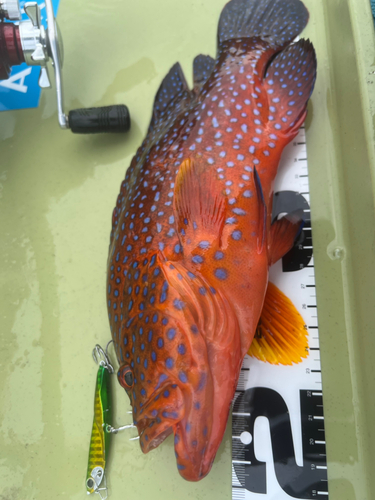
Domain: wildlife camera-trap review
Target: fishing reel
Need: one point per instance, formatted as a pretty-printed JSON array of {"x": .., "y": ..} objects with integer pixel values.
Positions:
[{"x": 29, "y": 42}]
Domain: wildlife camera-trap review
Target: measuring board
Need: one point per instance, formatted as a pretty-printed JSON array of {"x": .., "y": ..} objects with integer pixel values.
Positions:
[{"x": 278, "y": 437}]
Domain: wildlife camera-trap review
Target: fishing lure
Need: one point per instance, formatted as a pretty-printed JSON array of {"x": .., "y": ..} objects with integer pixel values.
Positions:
[{"x": 101, "y": 427}]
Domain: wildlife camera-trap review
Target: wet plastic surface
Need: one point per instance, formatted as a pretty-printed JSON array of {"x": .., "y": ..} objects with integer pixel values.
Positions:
[{"x": 57, "y": 195}]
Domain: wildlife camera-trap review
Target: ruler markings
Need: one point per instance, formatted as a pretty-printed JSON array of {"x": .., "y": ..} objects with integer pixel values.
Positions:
[{"x": 313, "y": 435}]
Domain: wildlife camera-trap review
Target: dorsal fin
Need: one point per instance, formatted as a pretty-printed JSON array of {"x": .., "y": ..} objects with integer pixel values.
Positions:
[
  {"x": 169, "y": 99},
  {"x": 289, "y": 82},
  {"x": 202, "y": 69},
  {"x": 277, "y": 22}
]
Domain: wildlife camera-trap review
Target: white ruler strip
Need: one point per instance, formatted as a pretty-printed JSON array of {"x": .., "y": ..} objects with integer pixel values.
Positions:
[{"x": 278, "y": 421}]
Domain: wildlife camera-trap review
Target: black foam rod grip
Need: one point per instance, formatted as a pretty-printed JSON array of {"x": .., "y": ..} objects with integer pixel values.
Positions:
[{"x": 113, "y": 119}]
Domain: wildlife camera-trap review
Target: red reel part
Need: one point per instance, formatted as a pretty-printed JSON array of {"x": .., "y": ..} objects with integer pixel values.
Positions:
[{"x": 11, "y": 53}]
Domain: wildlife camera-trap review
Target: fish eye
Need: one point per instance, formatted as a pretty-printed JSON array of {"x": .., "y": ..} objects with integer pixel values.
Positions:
[{"x": 125, "y": 377}]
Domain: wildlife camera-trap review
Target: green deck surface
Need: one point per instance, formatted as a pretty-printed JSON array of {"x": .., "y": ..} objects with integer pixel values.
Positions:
[{"x": 57, "y": 192}]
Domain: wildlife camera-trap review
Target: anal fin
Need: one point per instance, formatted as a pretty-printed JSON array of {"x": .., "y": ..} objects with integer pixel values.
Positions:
[{"x": 281, "y": 336}]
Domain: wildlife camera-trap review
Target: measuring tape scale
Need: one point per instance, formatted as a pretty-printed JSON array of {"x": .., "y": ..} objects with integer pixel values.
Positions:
[{"x": 278, "y": 436}]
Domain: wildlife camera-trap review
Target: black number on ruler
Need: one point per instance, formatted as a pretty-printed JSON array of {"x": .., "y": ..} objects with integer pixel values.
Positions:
[
  {"x": 299, "y": 256},
  {"x": 306, "y": 482}
]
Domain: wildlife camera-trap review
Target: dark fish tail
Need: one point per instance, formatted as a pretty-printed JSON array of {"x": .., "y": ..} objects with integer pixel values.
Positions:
[{"x": 277, "y": 22}]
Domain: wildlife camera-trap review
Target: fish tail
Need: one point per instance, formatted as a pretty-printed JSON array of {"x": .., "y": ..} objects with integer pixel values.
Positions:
[{"x": 277, "y": 22}]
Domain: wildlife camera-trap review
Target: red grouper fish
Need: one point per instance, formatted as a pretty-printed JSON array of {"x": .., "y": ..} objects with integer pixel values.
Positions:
[{"x": 192, "y": 237}]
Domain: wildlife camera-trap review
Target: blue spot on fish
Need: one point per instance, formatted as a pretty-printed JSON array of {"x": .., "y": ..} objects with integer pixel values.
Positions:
[
  {"x": 171, "y": 333},
  {"x": 178, "y": 304},
  {"x": 221, "y": 273},
  {"x": 237, "y": 235},
  {"x": 204, "y": 244},
  {"x": 181, "y": 349},
  {"x": 197, "y": 259},
  {"x": 169, "y": 363},
  {"x": 170, "y": 414}
]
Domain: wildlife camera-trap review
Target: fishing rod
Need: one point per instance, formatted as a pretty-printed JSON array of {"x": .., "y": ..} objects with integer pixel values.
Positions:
[{"x": 29, "y": 42}]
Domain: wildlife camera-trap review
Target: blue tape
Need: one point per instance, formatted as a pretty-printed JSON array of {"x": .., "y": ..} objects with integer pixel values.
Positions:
[{"x": 21, "y": 90}]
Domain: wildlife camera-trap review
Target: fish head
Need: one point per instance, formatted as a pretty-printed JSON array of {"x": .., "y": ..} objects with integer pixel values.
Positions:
[{"x": 178, "y": 370}]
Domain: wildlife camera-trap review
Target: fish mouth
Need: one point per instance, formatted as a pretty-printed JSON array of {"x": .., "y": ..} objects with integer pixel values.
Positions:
[
  {"x": 198, "y": 426},
  {"x": 159, "y": 417},
  {"x": 197, "y": 440},
  {"x": 199, "y": 434}
]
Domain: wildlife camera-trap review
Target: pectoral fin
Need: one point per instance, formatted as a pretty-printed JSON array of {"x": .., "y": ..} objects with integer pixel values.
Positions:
[
  {"x": 281, "y": 336},
  {"x": 199, "y": 206},
  {"x": 262, "y": 212}
]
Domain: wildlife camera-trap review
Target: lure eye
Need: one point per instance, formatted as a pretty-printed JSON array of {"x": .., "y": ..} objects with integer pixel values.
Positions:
[
  {"x": 125, "y": 377},
  {"x": 90, "y": 483}
]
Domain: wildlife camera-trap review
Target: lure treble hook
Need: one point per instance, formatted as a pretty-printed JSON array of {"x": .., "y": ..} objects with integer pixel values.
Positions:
[{"x": 101, "y": 357}]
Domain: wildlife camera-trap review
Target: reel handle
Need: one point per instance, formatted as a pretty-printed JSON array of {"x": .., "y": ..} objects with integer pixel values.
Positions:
[
  {"x": 107, "y": 119},
  {"x": 35, "y": 45}
]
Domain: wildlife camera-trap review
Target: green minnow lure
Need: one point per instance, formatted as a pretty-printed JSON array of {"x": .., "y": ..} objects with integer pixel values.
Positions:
[{"x": 101, "y": 427}]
